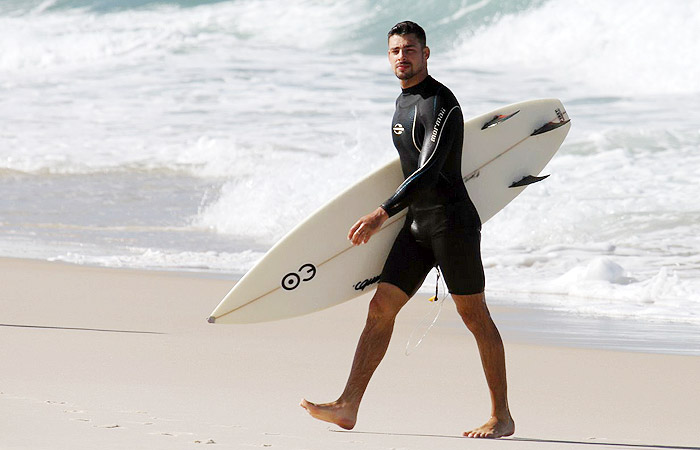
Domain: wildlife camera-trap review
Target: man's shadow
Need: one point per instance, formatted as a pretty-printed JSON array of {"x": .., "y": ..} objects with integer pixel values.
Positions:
[
  {"x": 535, "y": 440},
  {"x": 100, "y": 330}
]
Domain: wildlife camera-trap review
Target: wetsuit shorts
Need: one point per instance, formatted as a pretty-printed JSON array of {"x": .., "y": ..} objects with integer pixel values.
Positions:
[{"x": 442, "y": 235}]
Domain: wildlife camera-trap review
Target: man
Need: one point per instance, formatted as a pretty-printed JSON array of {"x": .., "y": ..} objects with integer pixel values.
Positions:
[{"x": 442, "y": 227}]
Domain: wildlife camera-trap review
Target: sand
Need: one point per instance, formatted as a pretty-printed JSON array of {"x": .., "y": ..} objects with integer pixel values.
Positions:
[{"x": 95, "y": 358}]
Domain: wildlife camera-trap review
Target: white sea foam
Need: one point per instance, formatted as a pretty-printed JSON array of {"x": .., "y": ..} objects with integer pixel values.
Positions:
[
  {"x": 611, "y": 48},
  {"x": 146, "y": 258}
]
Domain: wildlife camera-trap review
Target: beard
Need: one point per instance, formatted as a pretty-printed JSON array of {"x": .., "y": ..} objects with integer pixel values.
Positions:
[
  {"x": 406, "y": 74},
  {"x": 409, "y": 72}
]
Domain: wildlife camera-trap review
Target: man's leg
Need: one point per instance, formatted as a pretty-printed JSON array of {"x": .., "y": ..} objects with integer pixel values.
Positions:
[
  {"x": 476, "y": 316},
  {"x": 383, "y": 308}
]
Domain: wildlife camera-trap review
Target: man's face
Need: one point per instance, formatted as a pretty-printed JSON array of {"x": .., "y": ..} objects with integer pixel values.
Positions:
[{"x": 407, "y": 57}]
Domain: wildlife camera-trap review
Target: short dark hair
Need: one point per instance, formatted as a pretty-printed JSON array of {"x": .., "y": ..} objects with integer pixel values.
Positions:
[{"x": 408, "y": 27}]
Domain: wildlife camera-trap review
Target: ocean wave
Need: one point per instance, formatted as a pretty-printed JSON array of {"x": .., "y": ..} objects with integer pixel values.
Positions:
[
  {"x": 610, "y": 48},
  {"x": 328, "y": 27},
  {"x": 35, "y": 7},
  {"x": 146, "y": 258},
  {"x": 602, "y": 287}
]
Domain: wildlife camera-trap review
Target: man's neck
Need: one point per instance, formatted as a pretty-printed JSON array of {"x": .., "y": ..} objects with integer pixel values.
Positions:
[{"x": 417, "y": 79}]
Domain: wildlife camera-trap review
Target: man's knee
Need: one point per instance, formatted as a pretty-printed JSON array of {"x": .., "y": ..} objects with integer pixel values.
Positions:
[
  {"x": 472, "y": 308},
  {"x": 387, "y": 302}
]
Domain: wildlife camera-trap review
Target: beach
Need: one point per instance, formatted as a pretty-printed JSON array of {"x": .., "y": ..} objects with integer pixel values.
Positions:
[
  {"x": 119, "y": 358},
  {"x": 153, "y": 151}
]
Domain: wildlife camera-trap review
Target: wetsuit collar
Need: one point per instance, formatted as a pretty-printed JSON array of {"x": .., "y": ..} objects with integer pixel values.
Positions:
[{"x": 418, "y": 87}]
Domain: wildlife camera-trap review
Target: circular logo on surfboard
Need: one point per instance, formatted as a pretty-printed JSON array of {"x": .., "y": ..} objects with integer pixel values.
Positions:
[{"x": 292, "y": 280}]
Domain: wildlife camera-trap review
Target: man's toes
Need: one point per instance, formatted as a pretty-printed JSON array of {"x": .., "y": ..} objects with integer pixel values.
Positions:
[{"x": 477, "y": 434}]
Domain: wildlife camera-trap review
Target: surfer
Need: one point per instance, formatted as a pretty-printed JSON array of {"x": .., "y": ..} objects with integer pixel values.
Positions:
[{"x": 442, "y": 228}]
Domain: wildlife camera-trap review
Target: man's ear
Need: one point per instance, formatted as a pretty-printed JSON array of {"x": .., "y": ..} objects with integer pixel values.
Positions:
[{"x": 426, "y": 51}]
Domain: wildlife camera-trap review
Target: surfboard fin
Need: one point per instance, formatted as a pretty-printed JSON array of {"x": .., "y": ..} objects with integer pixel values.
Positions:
[
  {"x": 530, "y": 179},
  {"x": 549, "y": 126},
  {"x": 498, "y": 119}
]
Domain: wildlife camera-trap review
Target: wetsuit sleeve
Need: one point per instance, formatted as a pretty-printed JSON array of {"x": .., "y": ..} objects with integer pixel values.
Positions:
[{"x": 434, "y": 151}]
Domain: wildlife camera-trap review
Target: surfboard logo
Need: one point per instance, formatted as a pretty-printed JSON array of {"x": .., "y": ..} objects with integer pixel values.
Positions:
[
  {"x": 562, "y": 115},
  {"x": 361, "y": 285},
  {"x": 292, "y": 280},
  {"x": 398, "y": 129}
]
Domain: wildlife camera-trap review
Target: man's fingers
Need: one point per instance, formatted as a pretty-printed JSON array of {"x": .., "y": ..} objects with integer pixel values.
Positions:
[
  {"x": 355, "y": 234},
  {"x": 354, "y": 228},
  {"x": 362, "y": 230},
  {"x": 359, "y": 233}
]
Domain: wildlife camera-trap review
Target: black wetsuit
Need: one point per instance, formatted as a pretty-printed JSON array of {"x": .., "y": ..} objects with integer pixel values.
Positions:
[{"x": 442, "y": 226}]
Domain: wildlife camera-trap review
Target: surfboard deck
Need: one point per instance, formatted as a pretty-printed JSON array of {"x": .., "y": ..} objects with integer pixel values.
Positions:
[{"x": 315, "y": 266}]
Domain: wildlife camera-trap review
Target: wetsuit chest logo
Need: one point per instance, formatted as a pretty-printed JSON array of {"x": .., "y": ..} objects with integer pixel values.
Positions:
[{"x": 398, "y": 129}]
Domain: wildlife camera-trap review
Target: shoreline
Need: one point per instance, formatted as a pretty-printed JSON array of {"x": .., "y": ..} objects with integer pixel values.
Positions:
[
  {"x": 520, "y": 323},
  {"x": 541, "y": 326}
]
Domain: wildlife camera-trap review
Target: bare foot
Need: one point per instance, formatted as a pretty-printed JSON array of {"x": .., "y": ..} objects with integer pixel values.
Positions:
[
  {"x": 338, "y": 413},
  {"x": 492, "y": 429}
]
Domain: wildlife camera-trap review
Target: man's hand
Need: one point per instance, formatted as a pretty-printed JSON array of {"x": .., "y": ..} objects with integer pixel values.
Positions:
[{"x": 367, "y": 226}]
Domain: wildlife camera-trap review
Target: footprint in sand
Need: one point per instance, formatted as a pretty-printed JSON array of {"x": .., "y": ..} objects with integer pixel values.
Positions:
[
  {"x": 80, "y": 419},
  {"x": 109, "y": 426}
]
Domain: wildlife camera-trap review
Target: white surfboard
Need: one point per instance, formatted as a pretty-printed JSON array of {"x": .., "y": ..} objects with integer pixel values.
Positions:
[{"x": 315, "y": 266}]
